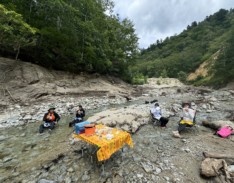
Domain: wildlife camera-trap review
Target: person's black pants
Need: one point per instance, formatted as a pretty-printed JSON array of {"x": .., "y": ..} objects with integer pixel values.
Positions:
[
  {"x": 163, "y": 121},
  {"x": 183, "y": 126},
  {"x": 74, "y": 122},
  {"x": 42, "y": 127}
]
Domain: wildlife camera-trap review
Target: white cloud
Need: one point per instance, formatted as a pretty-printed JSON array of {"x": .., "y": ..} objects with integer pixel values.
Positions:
[{"x": 157, "y": 19}]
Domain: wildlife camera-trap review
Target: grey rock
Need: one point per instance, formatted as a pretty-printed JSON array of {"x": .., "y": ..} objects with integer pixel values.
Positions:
[
  {"x": 140, "y": 175},
  {"x": 184, "y": 140},
  {"x": 46, "y": 181},
  {"x": 187, "y": 150},
  {"x": 231, "y": 168},
  {"x": 204, "y": 106},
  {"x": 176, "y": 180},
  {"x": 85, "y": 177},
  {"x": 27, "y": 117},
  {"x": 125, "y": 127},
  {"x": 2, "y": 137},
  {"x": 166, "y": 178},
  {"x": 23, "y": 135},
  {"x": 147, "y": 167},
  {"x": 6, "y": 159},
  {"x": 157, "y": 170},
  {"x": 70, "y": 170},
  {"x": 136, "y": 158},
  {"x": 68, "y": 180}
]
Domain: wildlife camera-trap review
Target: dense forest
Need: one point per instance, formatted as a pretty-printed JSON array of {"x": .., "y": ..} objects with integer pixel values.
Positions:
[
  {"x": 71, "y": 35},
  {"x": 86, "y": 36},
  {"x": 179, "y": 55}
]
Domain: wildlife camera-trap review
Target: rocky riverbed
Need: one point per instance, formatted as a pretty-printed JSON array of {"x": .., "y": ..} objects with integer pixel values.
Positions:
[{"x": 26, "y": 156}]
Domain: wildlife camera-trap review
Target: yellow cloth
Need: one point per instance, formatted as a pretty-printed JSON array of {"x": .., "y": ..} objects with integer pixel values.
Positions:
[
  {"x": 186, "y": 122},
  {"x": 107, "y": 147}
]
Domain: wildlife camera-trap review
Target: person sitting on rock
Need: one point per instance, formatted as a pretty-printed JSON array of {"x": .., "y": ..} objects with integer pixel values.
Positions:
[
  {"x": 187, "y": 119},
  {"x": 80, "y": 114},
  {"x": 50, "y": 119},
  {"x": 157, "y": 114}
]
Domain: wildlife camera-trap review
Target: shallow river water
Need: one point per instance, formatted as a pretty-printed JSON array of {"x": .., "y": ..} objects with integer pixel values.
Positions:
[{"x": 22, "y": 147}]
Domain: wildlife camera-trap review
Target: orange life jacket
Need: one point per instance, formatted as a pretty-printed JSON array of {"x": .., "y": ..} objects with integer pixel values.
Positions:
[{"x": 51, "y": 116}]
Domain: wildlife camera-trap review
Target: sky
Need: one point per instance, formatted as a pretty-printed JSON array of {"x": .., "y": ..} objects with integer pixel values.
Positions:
[{"x": 157, "y": 19}]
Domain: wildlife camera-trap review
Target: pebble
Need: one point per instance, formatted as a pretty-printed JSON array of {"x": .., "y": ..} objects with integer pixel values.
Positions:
[
  {"x": 85, "y": 177},
  {"x": 6, "y": 159},
  {"x": 147, "y": 167},
  {"x": 70, "y": 170},
  {"x": 187, "y": 150},
  {"x": 23, "y": 135},
  {"x": 184, "y": 140},
  {"x": 45, "y": 181},
  {"x": 140, "y": 175},
  {"x": 2, "y": 138},
  {"x": 176, "y": 180},
  {"x": 157, "y": 170},
  {"x": 68, "y": 180},
  {"x": 166, "y": 178},
  {"x": 27, "y": 117}
]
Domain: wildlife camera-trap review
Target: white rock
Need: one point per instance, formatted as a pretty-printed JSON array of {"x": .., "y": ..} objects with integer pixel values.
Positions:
[
  {"x": 70, "y": 170},
  {"x": 45, "y": 181},
  {"x": 157, "y": 170},
  {"x": 140, "y": 175},
  {"x": 27, "y": 117},
  {"x": 2, "y": 138},
  {"x": 204, "y": 106},
  {"x": 231, "y": 168},
  {"x": 147, "y": 167}
]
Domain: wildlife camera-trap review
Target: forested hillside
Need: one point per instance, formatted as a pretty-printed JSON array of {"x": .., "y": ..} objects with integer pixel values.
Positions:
[
  {"x": 179, "y": 55},
  {"x": 85, "y": 36},
  {"x": 71, "y": 35}
]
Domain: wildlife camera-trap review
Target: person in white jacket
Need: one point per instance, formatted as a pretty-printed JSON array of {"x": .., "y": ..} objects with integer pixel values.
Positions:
[
  {"x": 187, "y": 119},
  {"x": 157, "y": 114}
]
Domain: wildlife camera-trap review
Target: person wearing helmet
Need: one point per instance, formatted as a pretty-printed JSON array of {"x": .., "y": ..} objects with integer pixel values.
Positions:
[{"x": 50, "y": 119}]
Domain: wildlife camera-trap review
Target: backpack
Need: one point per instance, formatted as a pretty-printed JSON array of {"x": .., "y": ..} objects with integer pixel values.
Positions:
[{"x": 225, "y": 131}]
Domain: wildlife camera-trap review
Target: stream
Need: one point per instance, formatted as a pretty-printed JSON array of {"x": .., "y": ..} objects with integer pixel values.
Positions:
[{"x": 22, "y": 144}]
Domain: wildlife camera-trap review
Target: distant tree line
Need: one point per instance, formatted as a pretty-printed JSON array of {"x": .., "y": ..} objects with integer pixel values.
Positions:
[{"x": 179, "y": 55}]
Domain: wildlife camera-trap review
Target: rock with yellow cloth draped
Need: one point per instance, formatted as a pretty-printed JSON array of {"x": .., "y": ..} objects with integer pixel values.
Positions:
[{"x": 107, "y": 146}]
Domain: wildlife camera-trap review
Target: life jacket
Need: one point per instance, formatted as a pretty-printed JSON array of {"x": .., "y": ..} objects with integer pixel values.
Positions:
[
  {"x": 224, "y": 132},
  {"x": 51, "y": 117}
]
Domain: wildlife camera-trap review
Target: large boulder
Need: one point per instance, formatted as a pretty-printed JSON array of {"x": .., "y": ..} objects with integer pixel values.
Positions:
[
  {"x": 217, "y": 124},
  {"x": 128, "y": 119},
  {"x": 210, "y": 167}
]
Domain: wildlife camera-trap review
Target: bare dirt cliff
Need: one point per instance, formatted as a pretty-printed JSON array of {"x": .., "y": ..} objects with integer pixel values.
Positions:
[{"x": 27, "y": 82}]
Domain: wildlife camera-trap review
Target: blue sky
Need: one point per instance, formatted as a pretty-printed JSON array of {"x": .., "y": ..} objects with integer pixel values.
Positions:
[{"x": 157, "y": 19}]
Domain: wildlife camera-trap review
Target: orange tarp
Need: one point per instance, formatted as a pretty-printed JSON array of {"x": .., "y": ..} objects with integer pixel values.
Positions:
[{"x": 107, "y": 147}]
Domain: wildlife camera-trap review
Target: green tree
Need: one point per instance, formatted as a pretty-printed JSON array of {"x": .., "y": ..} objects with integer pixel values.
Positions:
[
  {"x": 14, "y": 32},
  {"x": 79, "y": 35},
  {"x": 182, "y": 76},
  {"x": 164, "y": 73},
  {"x": 224, "y": 66}
]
